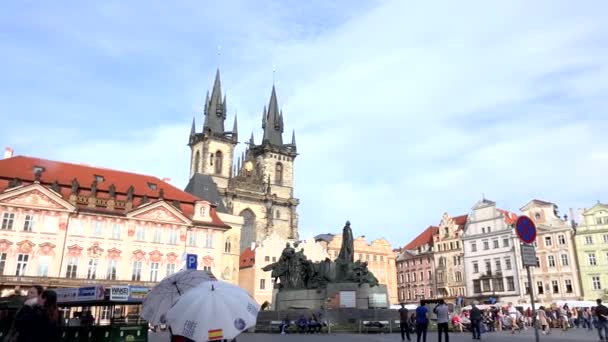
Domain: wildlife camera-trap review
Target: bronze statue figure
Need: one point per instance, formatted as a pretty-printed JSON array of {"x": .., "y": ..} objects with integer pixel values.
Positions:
[
  {"x": 75, "y": 187},
  {"x": 294, "y": 271},
  {"x": 112, "y": 191},
  {"x": 347, "y": 251}
]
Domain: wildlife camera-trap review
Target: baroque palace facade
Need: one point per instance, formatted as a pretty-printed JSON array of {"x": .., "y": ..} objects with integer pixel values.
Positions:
[
  {"x": 65, "y": 225},
  {"x": 258, "y": 185}
]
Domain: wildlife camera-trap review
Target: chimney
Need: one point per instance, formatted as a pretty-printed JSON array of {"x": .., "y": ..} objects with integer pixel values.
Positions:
[
  {"x": 166, "y": 180},
  {"x": 8, "y": 152}
]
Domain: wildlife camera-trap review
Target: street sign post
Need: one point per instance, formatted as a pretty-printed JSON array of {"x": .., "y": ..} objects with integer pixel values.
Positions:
[
  {"x": 528, "y": 255},
  {"x": 191, "y": 261},
  {"x": 526, "y": 231}
]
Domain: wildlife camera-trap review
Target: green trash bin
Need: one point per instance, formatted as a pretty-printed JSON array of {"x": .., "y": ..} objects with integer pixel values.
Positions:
[{"x": 130, "y": 333}]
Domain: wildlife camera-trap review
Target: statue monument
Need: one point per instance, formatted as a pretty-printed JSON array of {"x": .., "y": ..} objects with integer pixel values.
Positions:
[{"x": 301, "y": 283}]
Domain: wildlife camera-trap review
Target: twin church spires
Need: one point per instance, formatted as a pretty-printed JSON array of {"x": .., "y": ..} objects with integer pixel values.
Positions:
[{"x": 215, "y": 113}]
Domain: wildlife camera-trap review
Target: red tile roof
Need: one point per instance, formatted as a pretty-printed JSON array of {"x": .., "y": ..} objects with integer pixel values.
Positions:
[
  {"x": 22, "y": 168},
  {"x": 510, "y": 218},
  {"x": 247, "y": 258},
  {"x": 460, "y": 220},
  {"x": 426, "y": 237}
]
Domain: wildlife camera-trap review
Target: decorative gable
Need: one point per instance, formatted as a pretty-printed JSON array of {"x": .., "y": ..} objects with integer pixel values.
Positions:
[
  {"x": 155, "y": 256},
  {"x": 46, "y": 248},
  {"x": 159, "y": 212},
  {"x": 95, "y": 250},
  {"x": 35, "y": 196},
  {"x": 114, "y": 253},
  {"x": 25, "y": 246},
  {"x": 74, "y": 250},
  {"x": 5, "y": 245}
]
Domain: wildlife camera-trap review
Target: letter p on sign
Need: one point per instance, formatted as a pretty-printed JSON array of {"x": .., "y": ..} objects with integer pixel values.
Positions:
[{"x": 191, "y": 261}]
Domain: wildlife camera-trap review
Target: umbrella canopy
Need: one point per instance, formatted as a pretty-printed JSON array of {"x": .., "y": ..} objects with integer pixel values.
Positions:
[
  {"x": 213, "y": 311},
  {"x": 160, "y": 299}
]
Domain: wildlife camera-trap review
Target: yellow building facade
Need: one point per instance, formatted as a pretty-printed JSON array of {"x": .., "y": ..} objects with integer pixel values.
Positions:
[
  {"x": 591, "y": 241},
  {"x": 378, "y": 254}
]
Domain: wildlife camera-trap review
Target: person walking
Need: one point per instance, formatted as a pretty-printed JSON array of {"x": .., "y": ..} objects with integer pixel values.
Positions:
[
  {"x": 476, "y": 318},
  {"x": 601, "y": 312},
  {"x": 422, "y": 321},
  {"x": 403, "y": 323},
  {"x": 443, "y": 319}
]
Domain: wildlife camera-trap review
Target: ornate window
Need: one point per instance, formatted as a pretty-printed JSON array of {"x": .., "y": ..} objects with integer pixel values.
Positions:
[
  {"x": 197, "y": 161},
  {"x": 218, "y": 161},
  {"x": 211, "y": 159},
  {"x": 278, "y": 174},
  {"x": 227, "y": 246}
]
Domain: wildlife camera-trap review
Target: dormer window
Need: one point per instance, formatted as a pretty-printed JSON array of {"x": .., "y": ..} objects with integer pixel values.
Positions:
[
  {"x": 99, "y": 178},
  {"x": 37, "y": 169},
  {"x": 152, "y": 186}
]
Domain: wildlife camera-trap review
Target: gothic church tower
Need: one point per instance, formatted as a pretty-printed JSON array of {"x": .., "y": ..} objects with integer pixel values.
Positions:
[{"x": 259, "y": 184}]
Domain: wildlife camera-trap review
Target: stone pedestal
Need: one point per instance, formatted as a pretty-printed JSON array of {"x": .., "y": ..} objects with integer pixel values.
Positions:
[{"x": 330, "y": 296}]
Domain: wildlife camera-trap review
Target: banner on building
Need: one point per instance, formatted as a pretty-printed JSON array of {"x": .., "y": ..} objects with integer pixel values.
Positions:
[
  {"x": 76, "y": 294},
  {"x": 120, "y": 293},
  {"x": 138, "y": 293}
]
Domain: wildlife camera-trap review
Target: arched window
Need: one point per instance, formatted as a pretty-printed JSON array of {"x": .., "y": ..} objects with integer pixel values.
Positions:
[
  {"x": 197, "y": 161},
  {"x": 218, "y": 161},
  {"x": 248, "y": 230},
  {"x": 211, "y": 159},
  {"x": 227, "y": 246},
  {"x": 277, "y": 214},
  {"x": 278, "y": 174}
]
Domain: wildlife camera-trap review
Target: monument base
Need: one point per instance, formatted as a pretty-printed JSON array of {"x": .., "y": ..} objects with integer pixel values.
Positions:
[{"x": 336, "y": 295}]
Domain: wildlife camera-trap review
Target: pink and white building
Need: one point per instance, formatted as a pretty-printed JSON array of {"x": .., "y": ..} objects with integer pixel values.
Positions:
[{"x": 66, "y": 225}]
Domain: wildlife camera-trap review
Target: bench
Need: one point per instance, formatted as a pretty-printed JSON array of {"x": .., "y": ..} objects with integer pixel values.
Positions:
[{"x": 378, "y": 326}]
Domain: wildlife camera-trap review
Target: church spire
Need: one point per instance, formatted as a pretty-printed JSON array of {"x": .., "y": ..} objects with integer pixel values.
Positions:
[
  {"x": 272, "y": 122},
  {"x": 215, "y": 111},
  {"x": 293, "y": 140},
  {"x": 235, "y": 129}
]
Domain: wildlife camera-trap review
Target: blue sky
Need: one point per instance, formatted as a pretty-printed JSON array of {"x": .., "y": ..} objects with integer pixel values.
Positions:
[{"x": 402, "y": 110}]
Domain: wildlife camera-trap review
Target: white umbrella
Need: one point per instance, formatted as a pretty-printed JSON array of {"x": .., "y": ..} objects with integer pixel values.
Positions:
[
  {"x": 160, "y": 299},
  {"x": 213, "y": 311}
]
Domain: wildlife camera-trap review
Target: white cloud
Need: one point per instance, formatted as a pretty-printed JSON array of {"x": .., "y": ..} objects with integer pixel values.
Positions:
[{"x": 403, "y": 111}]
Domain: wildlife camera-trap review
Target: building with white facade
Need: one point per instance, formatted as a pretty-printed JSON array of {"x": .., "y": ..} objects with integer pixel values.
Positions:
[{"x": 491, "y": 259}]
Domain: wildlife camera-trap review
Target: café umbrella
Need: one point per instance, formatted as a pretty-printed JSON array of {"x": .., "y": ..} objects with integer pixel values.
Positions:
[
  {"x": 213, "y": 311},
  {"x": 162, "y": 296}
]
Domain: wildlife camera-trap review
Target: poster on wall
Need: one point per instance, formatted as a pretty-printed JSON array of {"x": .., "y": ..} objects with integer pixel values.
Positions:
[{"x": 348, "y": 299}]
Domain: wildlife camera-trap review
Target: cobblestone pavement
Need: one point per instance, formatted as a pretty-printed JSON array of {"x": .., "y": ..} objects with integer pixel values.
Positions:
[{"x": 528, "y": 335}]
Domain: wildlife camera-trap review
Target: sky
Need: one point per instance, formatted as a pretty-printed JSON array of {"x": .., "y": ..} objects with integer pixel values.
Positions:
[{"x": 403, "y": 110}]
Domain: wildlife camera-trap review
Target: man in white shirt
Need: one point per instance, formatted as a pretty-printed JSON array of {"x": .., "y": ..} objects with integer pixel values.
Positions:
[{"x": 443, "y": 319}]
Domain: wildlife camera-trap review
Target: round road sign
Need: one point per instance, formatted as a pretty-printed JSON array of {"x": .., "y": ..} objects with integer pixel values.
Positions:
[{"x": 526, "y": 229}]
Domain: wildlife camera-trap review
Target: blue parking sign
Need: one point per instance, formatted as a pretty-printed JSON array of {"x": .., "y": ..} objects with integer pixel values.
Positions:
[{"x": 191, "y": 261}]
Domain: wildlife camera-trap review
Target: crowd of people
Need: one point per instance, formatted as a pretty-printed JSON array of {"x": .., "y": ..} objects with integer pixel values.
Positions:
[{"x": 482, "y": 319}]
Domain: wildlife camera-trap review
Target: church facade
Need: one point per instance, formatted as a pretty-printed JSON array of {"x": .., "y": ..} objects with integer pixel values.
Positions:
[{"x": 257, "y": 185}]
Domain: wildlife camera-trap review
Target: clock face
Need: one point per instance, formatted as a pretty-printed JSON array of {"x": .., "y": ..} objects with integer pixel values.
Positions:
[{"x": 249, "y": 166}]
